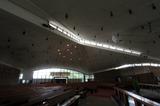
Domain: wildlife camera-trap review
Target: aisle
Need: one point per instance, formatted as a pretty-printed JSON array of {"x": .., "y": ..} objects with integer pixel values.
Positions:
[
  {"x": 103, "y": 97},
  {"x": 97, "y": 101}
]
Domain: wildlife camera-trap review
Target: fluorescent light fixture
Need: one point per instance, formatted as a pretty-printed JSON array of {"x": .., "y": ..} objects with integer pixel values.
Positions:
[
  {"x": 131, "y": 65},
  {"x": 65, "y": 32},
  {"x": 52, "y": 25},
  {"x": 112, "y": 47},
  {"x": 93, "y": 43},
  {"x": 105, "y": 46},
  {"x": 127, "y": 50},
  {"x": 99, "y": 44},
  {"x": 84, "y": 41},
  {"x": 59, "y": 29},
  {"x": 137, "y": 64},
  {"x": 155, "y": 65},
  {"x": 135, "y": 52},
  {"x": 124, "y": 66},
  {"x": 146, "y": 64},
  {"x": 87, "y": 42}
]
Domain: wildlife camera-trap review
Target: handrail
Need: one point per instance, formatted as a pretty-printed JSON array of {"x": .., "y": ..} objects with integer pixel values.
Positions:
[
  {"x": 150, "y": 85},
  {"x": 71, "y": 101},
  {"x": 138, "y": 98}
]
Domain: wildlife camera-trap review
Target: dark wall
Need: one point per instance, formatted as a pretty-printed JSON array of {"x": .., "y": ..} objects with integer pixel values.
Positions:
[
  {"x": 146, "y": 78},
  {"x": 142, "y": 74},
  {"x": 8, "y": 75},
  {"x": 108, "y": 76}
]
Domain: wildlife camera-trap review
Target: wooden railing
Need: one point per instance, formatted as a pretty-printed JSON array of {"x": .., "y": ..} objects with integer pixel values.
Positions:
[{"x": 138, "y": 100}]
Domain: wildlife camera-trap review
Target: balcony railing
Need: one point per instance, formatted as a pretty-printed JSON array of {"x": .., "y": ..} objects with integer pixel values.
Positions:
[{"x": 124, "y": 95}]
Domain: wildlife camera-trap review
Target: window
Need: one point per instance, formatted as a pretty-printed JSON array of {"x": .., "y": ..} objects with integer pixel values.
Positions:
[
  {"x": 61, "y": 73},
  {"x": 20, "y": 76},
  {"x": 89, "y": 78}
]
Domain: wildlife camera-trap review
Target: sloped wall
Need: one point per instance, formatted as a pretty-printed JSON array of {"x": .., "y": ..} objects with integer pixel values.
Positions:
[
  {"x": 8, "y": 75},
  {"x": 142, "y": 74},
  {"x": 108, "y": 76},
  {"x": 148, "y": 78}
]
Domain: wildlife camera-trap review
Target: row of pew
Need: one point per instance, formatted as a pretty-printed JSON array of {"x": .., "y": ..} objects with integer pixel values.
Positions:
[
  {"x": 36, "y": 96},
  {"x": 48, "y": 94}
]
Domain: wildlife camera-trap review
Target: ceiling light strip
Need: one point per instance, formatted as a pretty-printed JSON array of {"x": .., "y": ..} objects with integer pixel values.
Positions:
[
  {"x": 137, "y": 65},
  {"x": 131, "y": 65},
  {"x": 83, "y": 41}
]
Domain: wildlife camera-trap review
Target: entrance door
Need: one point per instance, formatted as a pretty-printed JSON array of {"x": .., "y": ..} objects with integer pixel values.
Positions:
[{"x": 61, "y": 80}]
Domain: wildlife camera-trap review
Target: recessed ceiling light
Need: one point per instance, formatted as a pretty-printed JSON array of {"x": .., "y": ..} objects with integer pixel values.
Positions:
[
  {"x": 91, "y": 43},
  {"x": 68, "y": 45},
  {"x": 58, "y": 50},
  {"x": 59, "y": 53}
]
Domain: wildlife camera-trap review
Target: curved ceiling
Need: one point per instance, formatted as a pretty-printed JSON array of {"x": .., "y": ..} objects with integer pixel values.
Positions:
[{"x": 131, "y": 24}]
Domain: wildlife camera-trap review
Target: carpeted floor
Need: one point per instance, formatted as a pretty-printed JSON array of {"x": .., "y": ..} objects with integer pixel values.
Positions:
[
  {"x": 96, "y": 101},
  {"x": 102, "y": 93},
  {"x": 101, "y": 98}
]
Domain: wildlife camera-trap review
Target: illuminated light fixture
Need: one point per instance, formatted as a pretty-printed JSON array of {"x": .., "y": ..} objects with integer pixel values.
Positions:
[
  {"x": 137, "y": 64},
  {"x": 81, "y": 41},
  {"x": 146, "y": 64},
  {"x": 128, "y": 51},
  {"x": 131, "y": 65},
  {"x": 93, "y": 43},
  {"x": 87, "y": 42},
  {"x": 155, "y": 65},
  {"x": 105, "y": 46},
  {"x": 59, "y": 29},
  {"x": 99, "y": 44},
  {"x": 67, "y": 44},
  {"x": 21, "y": 76},
  {"x": 135, "y": 52},
  {"x": 124, "y": 66},
  {"x": 120, "y": 49},
  {"x": 53, "y": 26},
  {"x": 68, "y": 34},
  {"x": 84, "y": 41},
  {"x": 65, "y": 32},
  {"x": 112, "y": 47},
  {"x": 58, "y": 50}
]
